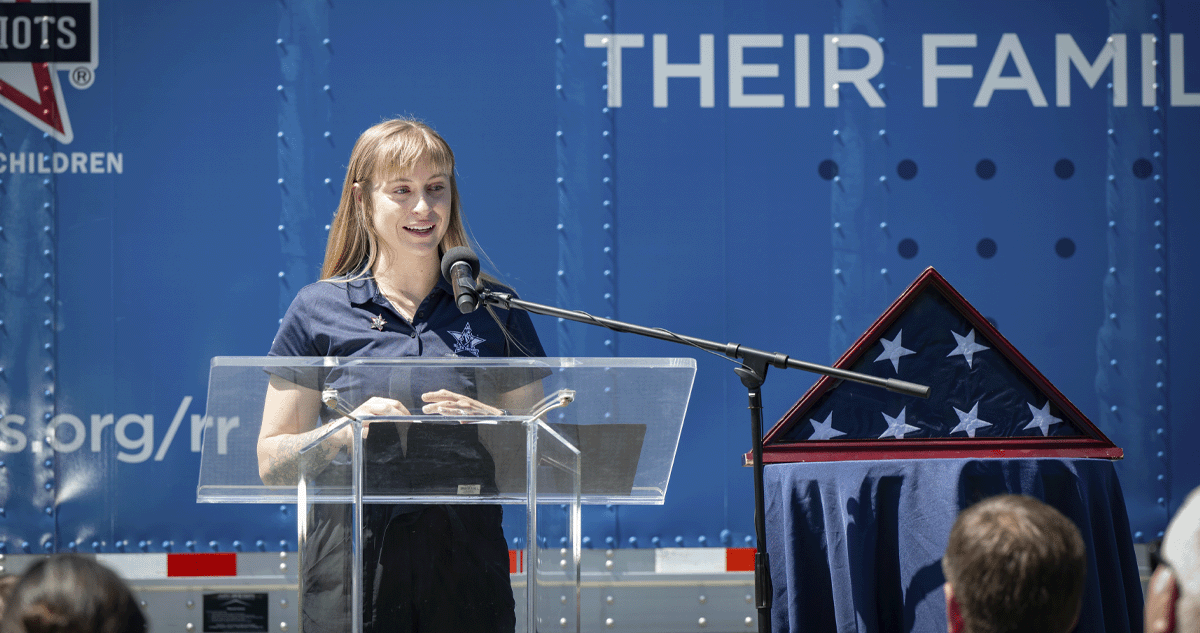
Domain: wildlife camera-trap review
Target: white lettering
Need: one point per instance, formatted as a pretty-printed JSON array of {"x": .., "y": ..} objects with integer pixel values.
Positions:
[
  {"x": 116, "y": 162},
  {"x": 60, "y": 162},
  {"x": 1149, "y": 70},
  {"x": 1010, "y": 46},
  {"x": 802, "y": 80},
  {"x": 22, "y": 22},
  {"x": 42, "y": 168},
  {"x": 4, "y": 32},
  {"x": 65, "y": 24},
  {"x": 98, "y": 424},
  {"x": 97, "y": 163},
  {"x": 614, "y": 42},
  {"x": 72, "y": 445},
  {"x": 224, "y": 426},
  {"x": 860, "y": 77},
  {"x": 931, "y": 71},
  {"x": 3, "y": 162},
  {"x": 78, "y": 162},
  {"x": 664, "y": 70},
  {"x": 739, "y": 71},
  {"x": 199, "y": 423},
  {"x": 143, "y": 444},
  {"x": 1179, "y": 97},
  {"x": 1066, "y": 53},
  {"x": 45, "y": 21},
  {"x": 16, "y": 162},
  {"x": 175, "y": 422},
  {"x": 12, "y": 440}
]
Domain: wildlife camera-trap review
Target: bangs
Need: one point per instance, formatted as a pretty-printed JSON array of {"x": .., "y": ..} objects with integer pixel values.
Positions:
[{"x": 402, "y": 153}]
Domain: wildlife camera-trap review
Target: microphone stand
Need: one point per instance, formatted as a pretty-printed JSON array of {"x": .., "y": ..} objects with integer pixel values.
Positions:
[{"x": 752, "y": 372}]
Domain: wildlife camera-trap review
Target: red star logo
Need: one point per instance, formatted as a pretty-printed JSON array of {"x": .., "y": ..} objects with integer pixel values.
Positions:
[{"x": 32, "y": 91}]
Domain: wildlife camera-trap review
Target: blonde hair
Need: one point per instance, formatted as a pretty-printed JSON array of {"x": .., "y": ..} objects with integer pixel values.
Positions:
[{"x": 395, "y": 146}]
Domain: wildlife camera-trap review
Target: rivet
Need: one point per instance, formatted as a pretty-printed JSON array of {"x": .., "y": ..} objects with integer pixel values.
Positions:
[
  {"x": 749, "y": 599},
  {"x": 283, "y": 602},
  {"x": 559, "y": 180},
  {"x": 1160, "y": 430},
  {"x": 1159, "y": 454},
  {"x": 283, "y": 567},
  {"x": 1159, "y": 408},
  {"x": 749, "y": 621},
  {"x": 1158, "y": 270},
  {"x": 607, "y": 203},
  {"x": 1161, "y": 477},
  {"x": 279, "y": 88},
  {"x": 837, "y": 271},
  {"x": 883, "y": 132},
  {"x": 837, "y": 317},
  {"x": 837, "y": 226},
  {"x": 609, "y": 623},
  {"x": 1158, "y": 362},
  {"x": 1158, "y": 247},
  {"x": 212, "y": 545},
  {"x": 883, "y": 225},
  {"x": 1158, "y": 201},
  {"x": 325, "y": 41},
  {"x": 561, "y": 273},
  {"x": 837, "y": 178},
  {"x": 703, "y": 598},
  {"x": 1158, "y": 293},
  {"x": 279, "y": 134},
  {"x": 325, "y": 87},
  {"x": 881, "y": 87},
  {"x": 328, "y": 134},
  {"x": 607, "y": 180},
  {"x": 1111, "y": 132},
  {"x": 1158, "y": 339},
  {"x": 1112, "y": 224},
  {"x": 281, "y": 228},
  {"x": 1157, "y": 177},
  {"x": 883, "y": 179},
  {"x": 1158, "y": 223},
  {"x": 46, "y": 252},
  {"x": 283, "y": 626},
  {"x": 281, "y": 274},
  {"x": 883, "y": 271},
  {"x": 1111, "y": 178},
  {"x": 562, "y": 622},
  {"x": 607, "y": 249},
  {"x": 604, "y": 133},
  {"x": 46, "y": 182},
  {"x": 558, "y": 41},
  {"x": 1157, "y": 132},
  {"x": 607, "y": 599},
  {"x": 1159, "y": 385},
  {"x": 558, "y": 87},
  {"x": 703, "y": 621},
  {"x": 1113, "y": 408},
  {"x": 1156, "y": 154},
  {"x": 604, "y": 18},
  {"x": 559, "y": 134},
  {"x": 1112, "y": 316},
  {"x": 604, "y": 110},
  {"x": 191, "y": 604},
  {"x": 1160, "y": 534},
  {"x": 1158, "y": 315},
  {"x": 1137, "y": 536},
  {"x": 703, "y": 539},
  {"x": 679, "y": 540},
  {"x": 606, "y": 157},
  {"x": 608, "y": 273},
  {"x": 607, "y": 296},
  {"x": 608, "y": 564},
  {"x": 189, "y": 627},
  {"x": 837, "y": 133},
  {"x": 279, "y": 42},
  {"x": 587, "y": 541},
  {"x": 633, "y": 541}
]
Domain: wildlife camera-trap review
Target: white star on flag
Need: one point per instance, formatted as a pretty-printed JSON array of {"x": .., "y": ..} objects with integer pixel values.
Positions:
[
  {"x": 966, "y": 346},
  {"x": 969, "y": 422},
  {"x": 897, "y": 427},
  {"x": 1042, "y": 418},
  {"x": 893, "y": 351},
  {"x": 824, "y": 430}
]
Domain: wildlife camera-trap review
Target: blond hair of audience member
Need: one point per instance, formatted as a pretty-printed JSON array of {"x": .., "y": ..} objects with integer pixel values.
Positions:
[
  {"x": 68, "y": 593},
  {"x": 1013, "y": 563},
  {"x": 1173, "y": 598}
]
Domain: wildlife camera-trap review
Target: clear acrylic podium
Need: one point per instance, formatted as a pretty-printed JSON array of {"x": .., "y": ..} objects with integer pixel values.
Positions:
[{"x": 548, "y": 434}]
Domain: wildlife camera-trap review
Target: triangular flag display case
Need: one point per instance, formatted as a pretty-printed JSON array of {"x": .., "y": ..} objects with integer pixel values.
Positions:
[{"x": 986, "y": 399}]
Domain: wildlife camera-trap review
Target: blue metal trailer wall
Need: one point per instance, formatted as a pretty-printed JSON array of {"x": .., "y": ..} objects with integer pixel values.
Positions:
[{"x": 766, "y": 172}]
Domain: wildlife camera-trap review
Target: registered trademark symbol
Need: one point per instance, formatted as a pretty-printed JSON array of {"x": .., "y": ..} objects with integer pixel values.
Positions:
[{"x": 82, "y": 77}]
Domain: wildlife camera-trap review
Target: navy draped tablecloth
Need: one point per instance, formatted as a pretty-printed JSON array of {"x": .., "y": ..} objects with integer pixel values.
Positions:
[{"x": 857, "y": 546}]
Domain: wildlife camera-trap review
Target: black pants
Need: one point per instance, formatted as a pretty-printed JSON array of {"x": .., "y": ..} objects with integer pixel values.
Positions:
[
  {"x": 441, "y": 568},
  {"x": 444, "y": 568}
]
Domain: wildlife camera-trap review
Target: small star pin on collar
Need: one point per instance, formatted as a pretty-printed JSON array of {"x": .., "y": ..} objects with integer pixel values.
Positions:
[{"x": 377, "y": 322}]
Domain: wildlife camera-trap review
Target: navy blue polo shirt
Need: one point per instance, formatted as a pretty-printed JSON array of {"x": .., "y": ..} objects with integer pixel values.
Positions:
[{"x": 352, "y": 318}]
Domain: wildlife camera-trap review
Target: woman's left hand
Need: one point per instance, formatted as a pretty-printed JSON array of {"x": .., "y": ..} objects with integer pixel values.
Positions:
[{"x": 445, "y": 402}]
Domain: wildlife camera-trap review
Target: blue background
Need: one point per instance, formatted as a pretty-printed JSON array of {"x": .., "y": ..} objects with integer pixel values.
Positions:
[{"x": 718, "y": 223}]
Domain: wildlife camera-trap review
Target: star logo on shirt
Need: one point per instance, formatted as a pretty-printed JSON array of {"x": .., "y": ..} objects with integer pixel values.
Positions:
[
  {"x": 892, "y": 351},
  {"x": 465, "y": 341},
  {"x": 377, "y": 322}
]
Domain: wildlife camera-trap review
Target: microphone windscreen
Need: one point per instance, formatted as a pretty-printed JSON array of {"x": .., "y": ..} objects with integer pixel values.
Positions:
[{"x": 459, "y": 254}]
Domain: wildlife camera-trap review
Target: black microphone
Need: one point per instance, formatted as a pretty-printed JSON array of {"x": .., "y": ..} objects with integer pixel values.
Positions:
[{"x": 460, "y": 266}]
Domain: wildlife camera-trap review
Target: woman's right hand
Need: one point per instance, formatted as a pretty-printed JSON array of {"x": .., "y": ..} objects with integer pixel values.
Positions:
[{"x": 376, "y": 406}]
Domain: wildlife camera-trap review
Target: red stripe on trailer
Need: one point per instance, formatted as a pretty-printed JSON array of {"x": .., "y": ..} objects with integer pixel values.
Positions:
[
  {"x": 512, "y": 561},
  {"x": 739, "y": 559},
  {"x": 216, "y": 564}
]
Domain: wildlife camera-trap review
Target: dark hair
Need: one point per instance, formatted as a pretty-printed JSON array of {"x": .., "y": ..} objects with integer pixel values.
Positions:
[
  {"x": 69, "y": 593},
  {"x": 1016, "y": 564}
]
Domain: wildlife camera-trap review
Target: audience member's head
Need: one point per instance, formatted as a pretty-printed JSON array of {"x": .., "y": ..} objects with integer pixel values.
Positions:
[
  {"x": 7, "y": 582},
  {"x": 1013, "y": 563},
  {"x": 1173, "y": 598},
  {"x": 71, "y": 594}
]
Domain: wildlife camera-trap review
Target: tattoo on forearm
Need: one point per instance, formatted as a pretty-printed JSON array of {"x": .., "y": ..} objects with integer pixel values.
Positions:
[{"x": 283, "y": 458}]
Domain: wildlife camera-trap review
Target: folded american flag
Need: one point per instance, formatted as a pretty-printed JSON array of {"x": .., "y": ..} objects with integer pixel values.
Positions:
[{"x": 986, "y": 399}]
